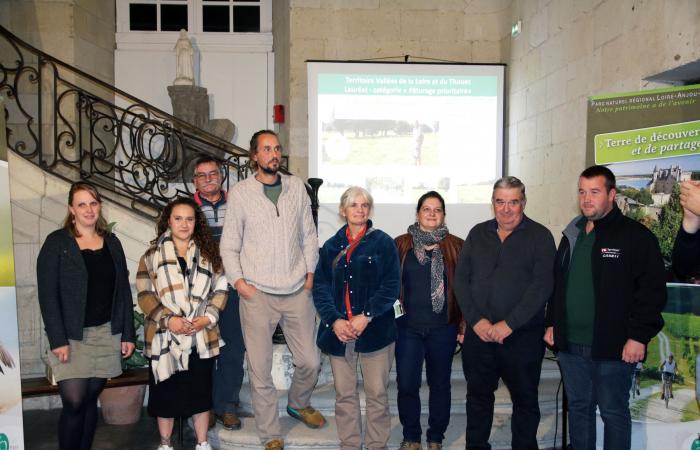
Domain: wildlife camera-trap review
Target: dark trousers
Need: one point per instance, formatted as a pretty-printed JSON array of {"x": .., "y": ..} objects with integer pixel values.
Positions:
[
  {"x": 227, "y": 375},
  {"x": 518, "y": 361},
  {"x": 604, "y": 383},
  {"x": 436, "y": 346}
]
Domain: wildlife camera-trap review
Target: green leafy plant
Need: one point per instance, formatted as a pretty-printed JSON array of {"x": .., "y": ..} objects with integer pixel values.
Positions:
[{"x": 136, "y": 359}]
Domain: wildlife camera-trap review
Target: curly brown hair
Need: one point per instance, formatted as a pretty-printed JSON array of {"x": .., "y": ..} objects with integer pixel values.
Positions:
[{"x": 208, "y": 247}]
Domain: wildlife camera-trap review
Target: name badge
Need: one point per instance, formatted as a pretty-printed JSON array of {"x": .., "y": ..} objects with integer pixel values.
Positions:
[{"x": 398, "y": 309}]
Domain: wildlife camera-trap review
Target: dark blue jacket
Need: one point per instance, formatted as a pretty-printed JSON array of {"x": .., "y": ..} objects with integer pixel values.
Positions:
[
  {"x": 62, "y": 280},
  {"x": 373, "y": 277}
]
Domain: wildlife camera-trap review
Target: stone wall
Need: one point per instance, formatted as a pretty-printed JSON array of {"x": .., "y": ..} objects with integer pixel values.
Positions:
[
  {"x": 454, "y": 30},
  {"x": 78, "y": 32},
  {"x": 569, "y": 50},
  {"x": 280, "y": 47},
  {"x": 38, "y": 207}
]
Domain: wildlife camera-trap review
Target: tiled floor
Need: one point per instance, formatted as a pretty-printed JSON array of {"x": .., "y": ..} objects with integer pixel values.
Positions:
[{"x": 40, "y": 428}]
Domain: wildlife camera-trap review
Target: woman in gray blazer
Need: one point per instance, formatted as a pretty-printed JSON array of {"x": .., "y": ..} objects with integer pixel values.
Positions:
[{"x": 86, "y": 304}]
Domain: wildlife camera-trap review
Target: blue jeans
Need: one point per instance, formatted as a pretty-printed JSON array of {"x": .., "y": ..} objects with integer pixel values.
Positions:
[
  {"x": 227, "y": 375},
  {"x": 604, "y": 383},
  {"x": 518, "y": 361},
  {"x": 436, "y": 346}
]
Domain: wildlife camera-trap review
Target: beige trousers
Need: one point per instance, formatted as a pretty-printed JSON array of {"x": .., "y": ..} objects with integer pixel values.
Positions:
[
  {"x": 296, "y": 315},
  {"x": 375, "y": 368}
]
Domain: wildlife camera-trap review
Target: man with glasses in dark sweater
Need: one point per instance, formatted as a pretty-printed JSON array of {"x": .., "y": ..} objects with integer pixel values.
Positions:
[{"x": 228, "y": 371}]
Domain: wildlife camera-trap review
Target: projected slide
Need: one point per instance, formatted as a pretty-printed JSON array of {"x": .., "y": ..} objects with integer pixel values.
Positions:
[
  {"x": 400, "y": 130},
  {"x": 401, "y": 133}
]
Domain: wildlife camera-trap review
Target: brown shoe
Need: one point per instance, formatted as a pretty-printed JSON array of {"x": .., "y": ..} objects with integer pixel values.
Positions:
[
  {"x": 308, "y": 416},
  {"x": 409, "y": 445},
  {"x": 434, "y": 446},
  {"x": 230, "y": 421},
  {"x": 212, "y": 419},
  {"x": 275, "y": 444}
]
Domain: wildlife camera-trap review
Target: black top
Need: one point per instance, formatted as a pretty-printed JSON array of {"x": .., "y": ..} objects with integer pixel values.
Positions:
[
  {"x": 509, "y": 280},
  {"x": 100, "y": 286},
  {"x": 686, "y": 255},
  {"x": 416, "y": 290},
  {"x": 183, "y": 266}
]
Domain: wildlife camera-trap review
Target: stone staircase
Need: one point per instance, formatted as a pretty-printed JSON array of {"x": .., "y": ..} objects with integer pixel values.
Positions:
[{"x": 298, "y": 436}]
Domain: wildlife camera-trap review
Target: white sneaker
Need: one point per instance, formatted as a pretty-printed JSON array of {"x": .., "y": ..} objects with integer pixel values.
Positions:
[
  {"x": 203, "y": 446},
  {"x": 165, "y": 447}
]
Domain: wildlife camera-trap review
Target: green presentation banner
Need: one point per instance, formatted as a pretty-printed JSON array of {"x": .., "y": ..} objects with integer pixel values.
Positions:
[
  {"x": 678, "y": 139},
  {"x": 651, "y": 142},
  {"x": 645, "y": 125},
  {"x": 11, "y": 428},
  {"x": 407, "y": 85}
]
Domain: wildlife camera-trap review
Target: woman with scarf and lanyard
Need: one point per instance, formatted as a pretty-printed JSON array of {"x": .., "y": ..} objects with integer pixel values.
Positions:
[
  {"x": 181, "y": 290},
  {"x": 355, "y": 286},
  {"x": 428, "y": 331}
]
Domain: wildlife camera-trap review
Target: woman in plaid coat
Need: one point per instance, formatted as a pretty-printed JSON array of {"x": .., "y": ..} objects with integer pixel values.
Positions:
[{"x": 181, "y": 290}]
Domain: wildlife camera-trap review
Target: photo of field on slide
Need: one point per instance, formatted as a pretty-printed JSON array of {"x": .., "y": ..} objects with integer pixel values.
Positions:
[{"x": 380, "y": 142}]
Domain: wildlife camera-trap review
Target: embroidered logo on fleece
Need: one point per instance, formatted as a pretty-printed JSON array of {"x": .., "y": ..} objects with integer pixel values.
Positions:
[{"x": 607, "y": 252}]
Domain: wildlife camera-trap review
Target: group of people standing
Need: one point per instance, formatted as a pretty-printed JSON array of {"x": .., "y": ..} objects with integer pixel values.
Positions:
[{"x": 225, "y": 268}]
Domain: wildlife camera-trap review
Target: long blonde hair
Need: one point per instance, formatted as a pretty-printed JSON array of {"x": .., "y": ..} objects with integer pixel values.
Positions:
[{"x": 101, "y": 226}]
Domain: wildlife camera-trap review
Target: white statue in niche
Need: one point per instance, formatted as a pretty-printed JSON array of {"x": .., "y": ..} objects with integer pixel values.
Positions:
[{"x": 184, "y": 74}]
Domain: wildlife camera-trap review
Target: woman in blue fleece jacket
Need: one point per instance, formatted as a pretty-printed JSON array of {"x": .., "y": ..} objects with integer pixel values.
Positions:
[{"x": 355, "y": 285}]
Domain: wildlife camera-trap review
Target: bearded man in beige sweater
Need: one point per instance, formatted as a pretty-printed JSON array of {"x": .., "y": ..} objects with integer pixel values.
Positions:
[{"x": 270, "y": 250}]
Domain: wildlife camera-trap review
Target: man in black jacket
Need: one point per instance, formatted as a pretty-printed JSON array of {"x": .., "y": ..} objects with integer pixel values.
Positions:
[
  {"x": 502, "y": 282},
  {"x": 609, "y": 292}
]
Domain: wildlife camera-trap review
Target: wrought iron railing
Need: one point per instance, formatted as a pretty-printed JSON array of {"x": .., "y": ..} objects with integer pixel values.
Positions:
[{"x": 78, "y": 127}]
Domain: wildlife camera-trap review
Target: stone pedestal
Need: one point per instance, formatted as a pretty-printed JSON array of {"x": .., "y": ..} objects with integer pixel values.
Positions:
[
  {"x": 283, "y": 368},
  {"x": 191, "y": 104}
]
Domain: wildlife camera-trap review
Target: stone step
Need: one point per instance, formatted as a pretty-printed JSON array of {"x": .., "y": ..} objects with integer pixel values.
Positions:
[
  {"x": 298, "y": 436},
  {"x": 323, "y": 398}
]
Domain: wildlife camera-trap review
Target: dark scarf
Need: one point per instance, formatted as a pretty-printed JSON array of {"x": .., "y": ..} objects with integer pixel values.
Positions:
[{"x": 421, "y": 239}]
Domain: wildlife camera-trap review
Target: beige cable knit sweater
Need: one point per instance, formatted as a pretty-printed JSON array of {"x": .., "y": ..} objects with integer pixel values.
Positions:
[{"x": 271, "y": 247}]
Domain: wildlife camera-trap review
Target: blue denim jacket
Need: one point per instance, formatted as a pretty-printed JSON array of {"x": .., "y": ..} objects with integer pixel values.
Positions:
[{"x": 373, "y": 277}]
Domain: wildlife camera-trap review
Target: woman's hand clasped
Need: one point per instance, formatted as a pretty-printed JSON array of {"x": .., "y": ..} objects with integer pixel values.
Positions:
[
  {"x": 179, "y": 325},
  {"x": 344, "y": 331},
  {"x": 199, "y": 323}
]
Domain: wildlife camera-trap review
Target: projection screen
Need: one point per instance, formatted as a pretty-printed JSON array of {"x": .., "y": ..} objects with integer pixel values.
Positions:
[{"x": 401, "y": 129}]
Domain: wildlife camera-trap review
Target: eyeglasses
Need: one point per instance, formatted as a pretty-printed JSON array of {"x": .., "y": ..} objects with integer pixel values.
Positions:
[
  {"x": 208, "y": 175},
  {"x": 498, "y": 203}
]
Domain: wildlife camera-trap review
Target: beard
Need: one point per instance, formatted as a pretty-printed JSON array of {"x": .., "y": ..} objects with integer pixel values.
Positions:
[{"x": 270, "y": 170}]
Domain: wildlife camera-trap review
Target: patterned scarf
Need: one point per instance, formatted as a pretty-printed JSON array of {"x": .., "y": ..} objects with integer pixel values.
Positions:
[
  {"x": 186, "y": 296},
  {"x": 421, "y": 239}
]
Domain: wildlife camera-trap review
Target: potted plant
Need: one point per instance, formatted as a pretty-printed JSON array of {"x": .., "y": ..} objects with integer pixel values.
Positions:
[{"x": 122, "y": 405}]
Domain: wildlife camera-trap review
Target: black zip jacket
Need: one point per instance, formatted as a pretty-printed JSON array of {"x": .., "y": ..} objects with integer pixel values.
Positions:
[
  {"x": 629, "y": 285},
  {"x": 686, "y": 255}
]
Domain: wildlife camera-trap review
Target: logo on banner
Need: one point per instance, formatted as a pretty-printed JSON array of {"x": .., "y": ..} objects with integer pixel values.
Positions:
[{"x": 4, "y": 442}]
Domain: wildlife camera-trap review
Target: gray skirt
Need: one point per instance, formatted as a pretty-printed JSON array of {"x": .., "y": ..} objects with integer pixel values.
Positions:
[{"x": 97, "y": 355}]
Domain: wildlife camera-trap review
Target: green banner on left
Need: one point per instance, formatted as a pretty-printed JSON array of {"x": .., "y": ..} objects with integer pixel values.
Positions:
[{"x": 665, "y": 141}]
